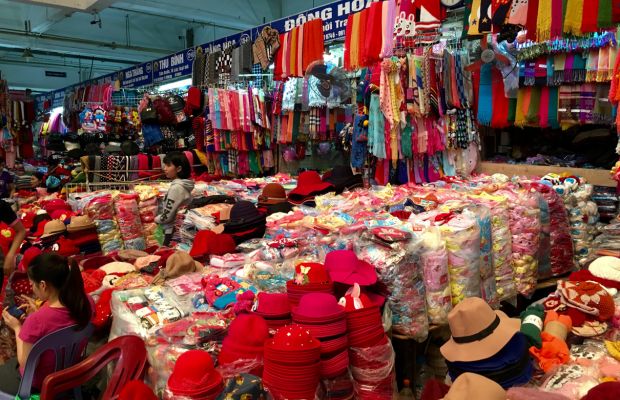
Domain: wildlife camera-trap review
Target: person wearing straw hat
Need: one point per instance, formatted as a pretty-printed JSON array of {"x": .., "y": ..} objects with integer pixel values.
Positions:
[{"x": 470, "y": 386}]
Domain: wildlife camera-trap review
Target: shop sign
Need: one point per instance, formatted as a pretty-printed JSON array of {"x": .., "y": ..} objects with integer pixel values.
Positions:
[
  {"x": 139, "y": 75},
  {"x": 174, "y": 66}
]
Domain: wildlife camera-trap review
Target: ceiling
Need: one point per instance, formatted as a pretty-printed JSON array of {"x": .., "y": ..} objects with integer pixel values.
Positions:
[{"x": 90, "y": 38}]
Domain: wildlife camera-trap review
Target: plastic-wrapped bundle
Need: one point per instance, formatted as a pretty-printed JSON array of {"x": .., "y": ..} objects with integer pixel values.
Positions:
[
  {"x": 544, "y": 246},
  {"x": 583, "y": 216},
  {"x": 372, "y": 369},
  {"x": 434, "y": 260},
  {"x": 101, "y": 211},
  {"x": 148, "y": 211},
  {"x": 501, "y": 246},
  {"x": 462, "y": 236},
  {"x": 525, "y": 230},
  {"x": 128, "y": 217},
  {"x": 561, "y": 254},
  {"x": 482, "y": 215},
  {"x": 398, "y": 267}
]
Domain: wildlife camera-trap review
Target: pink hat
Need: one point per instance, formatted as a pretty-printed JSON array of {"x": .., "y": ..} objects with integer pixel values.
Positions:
[
  {"x": 344, "y": 267},
  {"x": 318, "y": 308},
  {"x": 272, "y": 305}
]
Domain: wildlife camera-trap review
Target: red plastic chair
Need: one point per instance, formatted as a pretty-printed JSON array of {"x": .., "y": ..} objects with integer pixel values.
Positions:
[{"x": 128, "y": 351}]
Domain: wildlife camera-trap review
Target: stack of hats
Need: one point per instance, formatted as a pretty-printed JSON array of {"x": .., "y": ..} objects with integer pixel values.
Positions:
[
  {"x": 274, "y": 308},
  {"x": 246, "y": 222},
  {"x": 194, "y": 377},
  {"x": 242, "y": 349},
  {"x": 325, "y": 319},
  {"x": 371, "y": 354},
  {"x": 344, "y": 267},
  {"x": 487, "y": 343},
  {"x": 309, "y": 185},
  {"x": 273, "y": 199},
  {"x": 292, "y": 364},
  {"x": 309, "y": 277},
  {"x": 83, "y": 232},
  {"x": 343, "y": 179}
]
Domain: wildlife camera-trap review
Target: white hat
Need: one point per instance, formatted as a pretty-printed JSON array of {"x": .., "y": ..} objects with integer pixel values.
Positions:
[{"x": 606, "y": 267}]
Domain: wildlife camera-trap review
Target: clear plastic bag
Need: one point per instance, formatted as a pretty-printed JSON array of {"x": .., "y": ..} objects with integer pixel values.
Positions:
[
  {"x": 373, "y": 373},
  {"x": 434, "y": 260},
  {"x": 130, "y": 225}
]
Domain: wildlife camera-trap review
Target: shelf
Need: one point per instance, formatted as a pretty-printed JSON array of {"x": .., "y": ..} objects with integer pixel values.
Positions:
[{"x": 597, "y": 177}]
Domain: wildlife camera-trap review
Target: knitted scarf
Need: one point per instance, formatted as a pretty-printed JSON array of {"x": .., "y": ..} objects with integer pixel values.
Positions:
[
  {"x": 579, "y": 68},
  {"x": 347, "y": 43},
  {"x": 500, "y": 101},
  {"x": 512, "y": 110},
  {"x": 484, "y": 25},
  {"x": 543, "y": 29},
  {"x": 603, "y": 72},
  {"x": 474, "y": 20},
  {"x": 559, "y": 60},
  {"x": 532, "y": 18},
  {"x": 534, "y": 106},
  {"x": 485, "y": 101},
  {"x": 592, "y": 65},
  {"x": 543, "y": 114},
  {"x": 518, "y": 12},
  {"x": 604, "y": 19},
  {"x": 556, "y": 18},
  {"x": 573, "y": 17},
  {"x": 388, "y": 16},
  {"x": 553, "y": 108},
  {"x": 372, "y": 46},
  {"x": 500, "y": 10},
  {"x": 590, "y": 16},
  {"x": 355, "y": 41},
  {"x": 519, "y": 114}
]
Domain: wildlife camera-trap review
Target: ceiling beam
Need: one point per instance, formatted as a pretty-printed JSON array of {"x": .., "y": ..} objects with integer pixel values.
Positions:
[
  {"x": 51, "y": 17},
  {"x": 64, "y": 55}
]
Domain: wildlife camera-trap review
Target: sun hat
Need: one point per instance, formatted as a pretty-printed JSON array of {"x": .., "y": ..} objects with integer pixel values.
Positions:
[
  {"x": 118, "y": 267},
  {"x": 313, "y": 273},
  {"x": 478, "y": 332},
  {"x": 177, "y": 264},
  {"x": 273, "y": 193},
  {"x": 344, "y": 267},
  {"x": 606, "y": 267},
  {"x": 79, "y": 223},
  {"x": 53, "y": 227},
  {"x": 136, "y": 390},
  {"x": 195, "y": 375},
  {"x": 470, "y": 386},
  {"x": 588, "y": 297},
  {"x": 309, "y": 184},
  {"x": 341, "y": 176}
]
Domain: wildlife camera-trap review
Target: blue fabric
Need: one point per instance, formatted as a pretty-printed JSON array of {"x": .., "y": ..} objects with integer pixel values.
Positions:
[
  {"x": 485, "y": 104},
  {"x": 358, "y": 149},
  {"x": 376, "y": 128},
  {"x": 152, "y": 134},
  {"x": 448, "y": 169}
]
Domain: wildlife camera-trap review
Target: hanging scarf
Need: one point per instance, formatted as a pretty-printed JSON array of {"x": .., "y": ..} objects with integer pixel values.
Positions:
[
  {"x": 615, "y": 13},
  {"x": 500, "y": 10},
  {"x": 602, "y": 108},
  {"x": 347, "y": 43},
  {"x": 474, "y": 18},
  {"x": 520, "y": 114},
  {"x": 592, "y": 65},
  {"x": 553, "y": 108},
  {"x": 374, "y": 33},
  {"x": 590, "y": 16},
  {"x": 569, "y": 73},
  {"x": 484, "y": 25},
  {"x": 604, "y": 18},
  {"x": 543, "y": 28},
  {"x": 556, "y": 18},
  {"x": 355, "y": 41},
  {"x": 388, "y": 16},
  {"x": 614, "y": 93},
  {"x": 604, "y": 68},
  {"x": 532, "y": 17},
  {"x": 543, "y": 114},
  {"x": 518, "y": 12},
  {"x": 512, "y": 109},
  {"x": 559, "y": 60},
  {"x": 579, "y": 68},
  {"x": 534, "y": 106},
  {"x": 500, "y": 101},
  {"x": 573, "y": 17},
  {"x": 485, "y": 102},
  {"x": 550, "y": 70}
]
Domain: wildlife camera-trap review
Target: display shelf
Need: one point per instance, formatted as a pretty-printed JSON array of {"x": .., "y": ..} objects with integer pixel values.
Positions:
[{"x": 598, "y": 177}]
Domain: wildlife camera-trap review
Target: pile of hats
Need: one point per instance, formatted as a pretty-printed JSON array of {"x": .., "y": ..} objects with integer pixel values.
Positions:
[
  {"x": 274, "y": 308},
  {"x": 273, "y": 199},
  {"x": 242, "y": 349},
  {"x": 325, "y": 319},
  {"x": 309, "y": 185},
  {"x": 292, "y": 364},
  {"x": 371, "y": 354},
  {"x": 487, "y": 343},
  {"x": 194, "y": 377},
  {"x": 246, "y": 222},
  {"x": 83, "y": 232},
  {"x": 309, "y": 277}
]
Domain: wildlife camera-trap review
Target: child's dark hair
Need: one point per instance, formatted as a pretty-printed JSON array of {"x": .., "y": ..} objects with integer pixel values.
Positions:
[
  {"x": 178, "y": 159},
  {"x": 65, "y": 277}
]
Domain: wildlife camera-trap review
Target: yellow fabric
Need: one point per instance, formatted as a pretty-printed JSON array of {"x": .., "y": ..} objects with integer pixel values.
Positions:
[
  {"x": 543, "y": 29},
  {"x": 520, "y": 115},
  {"x": 204, "y": 159},
  {"x": 574, "y": 17},
  {"x": 474, "y": 18},
  {"x": 613, "y": 348},
  {"x": 355, "y": 39},
  {"x": 293, "y": 57}
]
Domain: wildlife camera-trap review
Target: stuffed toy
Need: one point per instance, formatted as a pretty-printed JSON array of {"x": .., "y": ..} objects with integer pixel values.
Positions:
[{"x": 532, "y": 324}]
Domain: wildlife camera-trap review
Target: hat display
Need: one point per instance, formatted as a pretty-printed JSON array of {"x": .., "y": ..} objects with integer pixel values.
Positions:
[
  {"x": 292, "y": 363},
  {"x": 606, "y": 267},
  {"x": 343, "y": 179},
  {"x": 53, "y": 227},
  {"x": 273, "y": 193},
  {"x": 309, "y": 185},
  {"x": 245, "y": 341},
  {"x": 588, "y": 297},
  {"x": 472, "y": 386},
  {"x": 245, "y": 222},
  {"x": 309, "y": 277},
  {"x": 344, "y": 267},
  {"x": 80, "y": 223},
  {"x": 179, "y": 263},
  {"x": 478, "y": 332},
  {"x": 274, "y": 308},
  {"x": 195, "y": 376}
]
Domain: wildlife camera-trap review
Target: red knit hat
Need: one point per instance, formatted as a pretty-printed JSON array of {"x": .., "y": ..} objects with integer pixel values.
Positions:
[
  {"x": 136, "y": 390},
  {"x": 210, "y": 243},
  {"x": 604, "y": 391},
  {"x": 29, "y": 255},
  {"x": 589, "y": 297}
]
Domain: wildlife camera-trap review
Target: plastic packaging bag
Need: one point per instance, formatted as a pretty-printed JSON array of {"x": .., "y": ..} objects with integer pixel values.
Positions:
[
  {"x": 373, "y": 373},
  {"x": 128, "y": 217},
  {"x": 482, "y": 215},
  {"x": 434, "y": 260},
  {"x": 101, "y": 211}
]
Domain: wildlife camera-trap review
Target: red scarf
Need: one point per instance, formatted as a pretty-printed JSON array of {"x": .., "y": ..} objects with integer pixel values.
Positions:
[
  {"x": 347, "y": 43},
  {"x": 590, "y": 16},
  {"x": 500, "y": 101},
  {"x": 532, "y": 19},
  {"x": 373, "y": 37},
  {"x": 615, "y": 11}
]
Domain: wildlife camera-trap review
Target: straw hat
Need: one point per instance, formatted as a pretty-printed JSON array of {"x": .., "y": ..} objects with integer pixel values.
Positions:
[
  {"x": 478, "y": 332},
  {"x": 53, "y": 227},
  {"x": 80, "y": 223},
  {"x": 470, "y": 386}
]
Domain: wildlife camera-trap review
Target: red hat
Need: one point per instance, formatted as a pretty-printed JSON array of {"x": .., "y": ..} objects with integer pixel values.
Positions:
[
  {"x": 136, "y": 390},
  {"x": 245, "y": 340},
  {"x": 195, "y": 376},
  {"x": 56, "y": 204},
  {"x": 344, "y": 267},
  {"x": 604, "y": 391},
  {"x": 318, "y": 308},
  {"x": 28, "y": 219},
  {"x": 95, "y": 262},
  {"x": 61, "y": 214},
  {"x": 103, "y": 309},
  {"x": 588, "y": 297},
  {"x": 29, "y": 255},
  {"x": 272, "y": 305},
  {"x": 311, "y": 273},
  {"x": 40, "y": 228},
  {"x": 210, "y": 243},
  {"x": 65, "y": 247},
  {"x": 309, "y": 183}
]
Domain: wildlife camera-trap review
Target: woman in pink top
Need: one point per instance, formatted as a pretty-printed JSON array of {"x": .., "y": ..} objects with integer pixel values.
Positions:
[{"x": 59, "y": 285}]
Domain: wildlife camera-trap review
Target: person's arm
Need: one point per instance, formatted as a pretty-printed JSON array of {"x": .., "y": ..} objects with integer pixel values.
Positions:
[
  {"x": 20, "y": 235},
  {"x": 172, "y": 202},
  {"x": 23, "y": 348}
]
